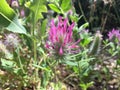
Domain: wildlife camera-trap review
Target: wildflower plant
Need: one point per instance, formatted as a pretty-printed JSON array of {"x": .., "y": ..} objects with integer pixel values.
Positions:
[
  {"x": 114, "y": 42},
  {"x": 60, "y": 39},
  {"x": 114, "y": 34},
  {"x": 36, "y": 55}
]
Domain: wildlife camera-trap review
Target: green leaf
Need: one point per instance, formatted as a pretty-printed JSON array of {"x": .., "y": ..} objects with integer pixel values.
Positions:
[
  {"x": 8, "y": 65},
  {"x": 9, "y": 19},
  {"x": 43, "y": 27},
  {"x": 74, "y": 18},
  {"x": 43, "y": 68},
  {"x": 85, "y": 86},
  {"x": 83, "y": 26},
  {"x": 118, "y": 62},
  {"x": 71, "y": 63},
  {"x": 66, "y": 5},
  {"x": 83, "y": 64},
  {"x": 21, "y": 2},
  {"x": 41, "y": 51},
  {"x": 6, "y": 11},
  {"x": 15, "y": 26},
  {"x": 54, "y": 8},
  {"x": 37, "y": 7}
]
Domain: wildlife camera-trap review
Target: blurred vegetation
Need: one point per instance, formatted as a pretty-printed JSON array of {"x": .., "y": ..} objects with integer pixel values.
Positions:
[
  {"x": 102, "y": 15},
  {"x": 59, "y": 45}
]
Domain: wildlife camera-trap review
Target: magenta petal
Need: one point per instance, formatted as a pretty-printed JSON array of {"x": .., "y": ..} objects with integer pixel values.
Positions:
[
  {"x": 47, "y": 45},
  {"x": 61, "y": 51},
  {"x": 113, "y": 33}
]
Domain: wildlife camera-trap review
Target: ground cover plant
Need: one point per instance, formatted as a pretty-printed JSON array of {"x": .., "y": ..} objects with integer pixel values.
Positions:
[{"x": 58, "y": 45}]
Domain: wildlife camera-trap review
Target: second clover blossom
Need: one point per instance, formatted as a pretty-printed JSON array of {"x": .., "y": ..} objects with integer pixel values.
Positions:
[
  {"x": 114, "y": 34},
  {"x": 11, "y": 40},
  {"x": 60, "y": 39}
]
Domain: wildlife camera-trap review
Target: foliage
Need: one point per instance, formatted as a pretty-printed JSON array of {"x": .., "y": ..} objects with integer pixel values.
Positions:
[
  {"x": 5, "y": 13},
  {"x": 100, "y": 14},
  {"x": 8, "y": 16},
  {"x": 43, "y": 47}
]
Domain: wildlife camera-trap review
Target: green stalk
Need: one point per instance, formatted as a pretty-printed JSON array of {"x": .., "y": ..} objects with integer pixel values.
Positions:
[
  {"x": 82, "y": 11},
  {"x": 34, "y": 42},
  {"x": 105, "y": 20},
  {"x": 34, "y": 51},
  {"x": 21, "y": 66},
  {"x": 115, "y": 4},
  {"x": 79, "y": 71}
]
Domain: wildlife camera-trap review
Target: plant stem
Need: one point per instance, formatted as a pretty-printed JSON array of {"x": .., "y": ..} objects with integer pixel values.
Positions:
[
  {"x": 105, "y": 20},
  {"x": 34, "y": 43},
  {"x": 82, "y": 11},
  {"x": 115, "y": 4},
  {"x": 35, "y": 52},
  {"x": 21, "y": 66}
]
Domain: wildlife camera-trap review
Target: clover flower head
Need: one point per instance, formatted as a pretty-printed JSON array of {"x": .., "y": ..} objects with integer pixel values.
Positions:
[
  {"x": 60, "y": 38},
  {"x": 14, "y": 3},
  {"x": 11, "y": 40},
  {"x": 114, "y": 33}
]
